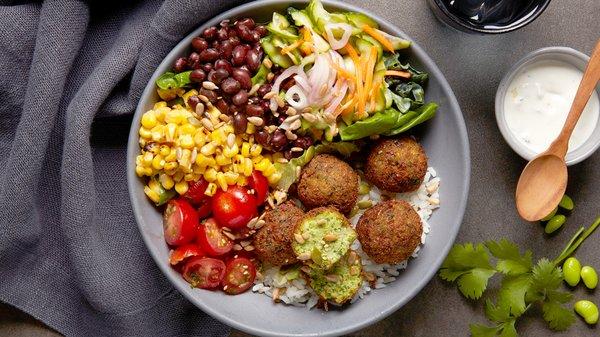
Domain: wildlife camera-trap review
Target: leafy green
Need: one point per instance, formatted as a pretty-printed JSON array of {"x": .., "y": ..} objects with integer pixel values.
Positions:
[
  {"x": 523, "y": 284},
  {"x": 405, "y": 96},
  {"x": 407, "y": 121},
  {"x": 470, "y": 266},
  {"x": 392, "y": 62},
  {"x": 170, "y": 80},
  {"x": 343, "y": 148},
  {"x": 376, "y": 124}
]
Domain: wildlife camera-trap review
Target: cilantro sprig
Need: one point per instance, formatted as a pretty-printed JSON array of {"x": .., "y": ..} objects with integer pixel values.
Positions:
[{"x": 523, "y": 284}]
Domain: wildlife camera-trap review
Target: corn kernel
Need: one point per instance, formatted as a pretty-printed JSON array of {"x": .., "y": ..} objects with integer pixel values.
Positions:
[
  {"x": 247, "y": 167},
  {"x": 277, "y": 156},
  {"x": 199, "y": 138},
  {"x": 221, "y": 181},
  {"x": 181, "y": 187},
  {"x": 269, "y": 170},
  {"x": 160, "y": 104},
  {"x": 145, "y": 133},
  {"x": 151, "y": 194},
  {"x": 255, "y": 150},
  {"x": 210, "y": 174},
  {"x": 263, "y": 164},
  {"x": 208, "y": 149},
  {"x": 178, "y": 176},
  {"x": 166, "y": 181},
  {"x": 191, "y": 177},
  {"x": 231, "y": 177},
  {"x": 149, "y": 171},
  {"x": 201, "y": 160},
  {"x": 171, "y": 157},
  {"x": 158, "y": 133},
  {"x": 147, "y": 160},
  {"x": 245, "y": 150},
  {"x": 174, "y": 116},
  {"x": 227, "y": 128},
  {"x": 164, "y": 150},
  {"x": 180, "y": 92},
  {"x": 274, "y": 178},
  {"x": 149, "y": 120},
  {"x": 257, "y": 159},
  {"x": 230, "y": 152},
  {"x": 222, "y": 160},
  {"x": 211, "y": 189},
  {"x": 250, "y": 129},
  {"x": 138, "y": 159},
  {"x": 170, "y": 133},
  {"x": 140, "y": 170},
  {"x": 218, "y": 136},
  {"x": 186, "y": 141},
  {"x": 241, "y": 181},
  {"x": 158, "y": 162}
]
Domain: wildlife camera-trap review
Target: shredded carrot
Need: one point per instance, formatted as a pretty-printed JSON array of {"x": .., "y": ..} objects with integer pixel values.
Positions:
[
  {"x": 287, "y": 49},
  {"x": 399, "y": 73},
  {"x": 373, "y": 94},
  {"x": 362, "y": 98},
  {"x": 345, "y": 108},
  {"x": 377, "y": 36},
  {"x": 359, "y": 84},
  {"x": 343, "y": 72},
  {"x": 372, "y": 58},
  {"x": 306, "y": 35}
]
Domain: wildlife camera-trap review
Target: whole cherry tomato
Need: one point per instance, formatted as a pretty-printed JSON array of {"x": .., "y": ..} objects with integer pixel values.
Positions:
[
  {"x": 239, "y": 275},
  {"x": 233, "y": 208},
  {"x": 196, "y": 196}
]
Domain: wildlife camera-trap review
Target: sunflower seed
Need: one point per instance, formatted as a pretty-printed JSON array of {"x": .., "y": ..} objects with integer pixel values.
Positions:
[
  {"x": 224, "y": 118},
  {"x": 208, "y": 85},
  {"x": 255, "y": 120},
  {"x": 296, "y": 149},
  {"x": 330, "y": 237},
  {"x": 199, "y": 109},
  {"x": 309, "y": 117},
  {"x": 231, "y": 140},
  {"x": 267, "y": 62},
  {"x": 203, "y": 99},
  {"x": 332, "y": 278},
  {"x": 290, "y": 135},
  {"x": 304, "y": 256},
  {"x": 298, "y": 238},
  {"x": 269, "y": 95},
  {"x": 254, "y": 89},
  {"x": 280, "y": 101},
  {"x": 291, "y": 111},
  {"x": 270, "y": 77},
  {"x": 208, "y": 124},
  {"x": 295, "y": 125}
]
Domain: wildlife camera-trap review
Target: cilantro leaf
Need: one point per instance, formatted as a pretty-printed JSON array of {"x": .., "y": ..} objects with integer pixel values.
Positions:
[
  {"x": 558, "y": 317},
  {"x": 545, "y": 277},
  {"x": 508, "y": 329},
  {"x": 470, "y": 266},
  {"x": 510, "y": 261},
  {"x": 480, "y": 330},
  {"x": 497, "y": 314},
  {"x": 512, "y": 293}
]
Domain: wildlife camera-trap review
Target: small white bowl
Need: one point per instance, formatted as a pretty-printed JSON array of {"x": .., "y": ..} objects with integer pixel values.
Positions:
[{"x": 564, "y": 54}]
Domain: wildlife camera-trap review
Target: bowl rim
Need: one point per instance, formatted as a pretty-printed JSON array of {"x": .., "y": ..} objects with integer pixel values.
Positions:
[
  {"x": 538, "y": 11},
  {"x": 547, "y": 53},
  {"x": 453, "y": 107}
]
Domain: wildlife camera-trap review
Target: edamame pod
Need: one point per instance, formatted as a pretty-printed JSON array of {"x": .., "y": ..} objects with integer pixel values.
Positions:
[
  {"x": 549, "y": 216},
  {"x": 555, "y": 223},
  {"x": 572, "y": 271},
  {"x": 588, "y": 310},
  {"x": 567, "y": 203},
  {"x": 589, "y": 277}
]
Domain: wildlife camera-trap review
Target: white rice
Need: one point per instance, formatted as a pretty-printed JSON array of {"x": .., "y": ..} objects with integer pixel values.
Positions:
[{"x": 296, "y": 292}]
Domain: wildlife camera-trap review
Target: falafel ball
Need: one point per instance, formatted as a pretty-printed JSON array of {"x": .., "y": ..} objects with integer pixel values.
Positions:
[
  {"x": 328, "y": 181},
  {"x": 273, "y": 242},
  {"x": 397, "y": 165},
  {"x": 390, "y": 231}
]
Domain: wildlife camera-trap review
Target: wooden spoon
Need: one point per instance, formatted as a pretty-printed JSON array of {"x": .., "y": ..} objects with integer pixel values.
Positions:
[{"x": 544, "y": 180}]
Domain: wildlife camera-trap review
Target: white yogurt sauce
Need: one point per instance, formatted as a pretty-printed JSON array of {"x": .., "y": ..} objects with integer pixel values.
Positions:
[{"x": 537, "y": 103}]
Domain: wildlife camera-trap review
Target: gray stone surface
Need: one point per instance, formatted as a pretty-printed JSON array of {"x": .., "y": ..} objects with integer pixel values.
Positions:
[{"x": 474, "y": 65}]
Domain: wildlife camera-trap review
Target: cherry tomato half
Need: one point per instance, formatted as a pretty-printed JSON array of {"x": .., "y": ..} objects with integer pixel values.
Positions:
[
  {"x": 260, "y": 185},
  {"x": 204, "y": 272},
  {"x": 180, "y": 221},
  {"x": 233, "y": 208},
  {"x": 239, "y": 275},
  {"x": 195, "y": 195},
  {"x": 186, "y": 251},
  {"x": 212, "y": 240}
]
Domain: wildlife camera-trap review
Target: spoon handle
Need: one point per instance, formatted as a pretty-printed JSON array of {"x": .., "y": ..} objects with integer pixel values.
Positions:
[{"x": 588, "y": 83}]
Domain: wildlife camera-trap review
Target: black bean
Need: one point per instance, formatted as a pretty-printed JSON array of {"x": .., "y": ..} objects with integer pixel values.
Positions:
[
  {"x": 233, "y": 110},
  {"x": 209, "y": 55},
  {"x": 197, "y": 65},
  {"x": 266, "y": 105},
  {"x": 255, "y": 35},
  {"x": 210, "y": 94},
  {"x": 224, "y": 64},
  {"x": 245, "y": 34},
  {"x": 218, "y": 75},
  {"x": 240, "y": 98},
  {"x": 226, "y": 48},
  {"x": 193, "y": 101},
  {"x": 243, "y": 77},
  {"x": 254, "y": 110},
  {"x": 197, "y": 75},
  {"x": 264, "y": 89},
  {"x": 253, "y": 60},
  {"x": 247, "y": 22},
  {"x": 180, "y": 64},
  {"x": 303, "y": 142},
  {"x": 225, "y": 23},
  {"x": 222, "y": 106},
  {"x": 262, "y": 137},
  {"x": 240, "y": 122},
  {"x": 278, "y": 140},
  {"x": 230, "y": 86},
  {"x": 253, "y": 100},
  {"x": 238, "y": 57},
  {"x": 193, "y": 58},
  {"x": 223, "y": 34},
  {"x": 261, "y": 30},
  {"x": 199, "y": 44},
  {"x": 234, "y": 40},
  {"x": 288, "y": 83},
  {"x": 210, "y": 33},
  {"x": 215, "y": 44},
  {"x": 207, "y": 67}
]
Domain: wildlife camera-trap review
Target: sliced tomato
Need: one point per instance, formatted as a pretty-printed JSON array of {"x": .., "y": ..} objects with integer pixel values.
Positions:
[
  {"x": 239, "y": 275},
  {"x": 260, "y": 185},
  {"x": 204, "y": 272},
  {"x": 180, "y": 221},
  {"x": 186, "y": 251},
  {"x": 212, "y": 240},
  {"x": 196, "y": 196},
  {"x": 233, "y": 208}
]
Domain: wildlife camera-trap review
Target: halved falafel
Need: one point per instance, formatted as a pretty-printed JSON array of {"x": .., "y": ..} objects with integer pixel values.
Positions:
[
  {"x": 390, "y": 231},
  {"x": 397, "y": 165},
  {"x": 273, "y": 242},
  {"x": 322, "y": 237},
  {"x": 340, "y": 283},
  {"x": 328, "y": 181}
]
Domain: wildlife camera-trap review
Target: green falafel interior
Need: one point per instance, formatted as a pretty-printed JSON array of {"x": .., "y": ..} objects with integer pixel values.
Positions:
[
  {"x": 339, "y": 284},
  {"x": 324, "y": 236}
]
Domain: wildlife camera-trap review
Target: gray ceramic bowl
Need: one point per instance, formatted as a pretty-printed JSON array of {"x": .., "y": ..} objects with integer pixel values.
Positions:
[
  {"x": 563, "y": 54},
  {"x": 446, "y": 143}
]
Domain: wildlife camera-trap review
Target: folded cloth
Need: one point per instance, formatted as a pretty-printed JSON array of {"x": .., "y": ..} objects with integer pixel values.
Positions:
[{"x": 71, "y": 73}]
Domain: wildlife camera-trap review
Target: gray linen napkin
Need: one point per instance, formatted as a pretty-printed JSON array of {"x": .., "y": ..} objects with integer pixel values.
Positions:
[{"x": 71, "y": 73}]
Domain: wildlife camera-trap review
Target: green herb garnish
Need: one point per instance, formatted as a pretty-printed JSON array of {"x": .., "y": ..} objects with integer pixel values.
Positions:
[{"x": 523, "y": 283}]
